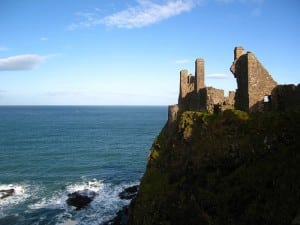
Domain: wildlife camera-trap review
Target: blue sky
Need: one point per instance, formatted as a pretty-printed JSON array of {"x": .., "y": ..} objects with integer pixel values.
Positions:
[{"x": 111, "y": 52}]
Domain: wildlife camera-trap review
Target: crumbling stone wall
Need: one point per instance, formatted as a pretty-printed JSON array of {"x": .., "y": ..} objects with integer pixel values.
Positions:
[
  {"x": 254, "y": 85},
  {"x": 261, "y": 84},
  {"x": 253, "y": 81},
  {"x": 229, "y": 101},
  {"x": 286, "y": 98},
  {"x": 240, "y": 70},
  {"x": 211, "y": 99},
  {"x": 187, "y": 85},
  {"x": 193, "y": 94}
]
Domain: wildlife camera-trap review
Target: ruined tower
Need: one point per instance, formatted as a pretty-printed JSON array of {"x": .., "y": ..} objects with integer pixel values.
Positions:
[
  {"x": 187, "y": 85},
  {"x": 199, "y": 74},
  {"x": 253, "y": 81},
  {"x": 238, "y": 51}
]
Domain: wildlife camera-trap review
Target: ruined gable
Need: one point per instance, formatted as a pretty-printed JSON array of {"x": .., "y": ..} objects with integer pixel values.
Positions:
[{"x": 253, "y": 80}]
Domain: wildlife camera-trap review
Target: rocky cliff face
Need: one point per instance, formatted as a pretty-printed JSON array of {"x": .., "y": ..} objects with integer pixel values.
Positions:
[{"x": 226, "y": 169}]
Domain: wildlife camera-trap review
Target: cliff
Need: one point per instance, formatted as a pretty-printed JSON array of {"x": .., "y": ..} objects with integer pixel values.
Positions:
[
  {"x": 213, "y": 164},
  {"x": 229, "y": 168}
]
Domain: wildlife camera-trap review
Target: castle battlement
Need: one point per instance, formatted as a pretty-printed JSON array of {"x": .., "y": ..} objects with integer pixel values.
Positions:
[{"x": 256, "y": 90}]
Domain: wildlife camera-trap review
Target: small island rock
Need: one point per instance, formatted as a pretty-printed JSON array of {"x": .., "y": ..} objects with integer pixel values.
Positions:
[
  {"x": 129, "y": 193},
  {"x": 6, "y": 193},
  {"x": 80, "y": 199}
]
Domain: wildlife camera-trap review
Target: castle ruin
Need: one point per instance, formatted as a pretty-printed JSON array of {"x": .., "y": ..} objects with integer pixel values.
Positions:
[
  {"x": 256, "y": 90},
  {"x": 254, "y": 82}
]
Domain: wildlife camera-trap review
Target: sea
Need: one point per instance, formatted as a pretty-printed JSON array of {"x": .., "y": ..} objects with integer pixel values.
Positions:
[{"x": 48, "y": 152}]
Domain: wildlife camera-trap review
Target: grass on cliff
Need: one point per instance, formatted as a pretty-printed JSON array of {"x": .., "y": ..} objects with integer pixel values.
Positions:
[{"x": 232, "y": 168}]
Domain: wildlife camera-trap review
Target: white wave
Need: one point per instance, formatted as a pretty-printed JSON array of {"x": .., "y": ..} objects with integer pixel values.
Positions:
[
  {"x": 103, "y": 207},
  {"x": 58, "y": 199},
  {"x": 93, "y": 185},
  {"x": 21, "y": 193}
]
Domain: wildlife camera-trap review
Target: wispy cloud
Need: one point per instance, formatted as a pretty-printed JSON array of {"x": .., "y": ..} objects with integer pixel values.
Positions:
[
  {"x": 182, "y": 61},
  {"x": 145, "y": 13},
  {"x": 87, "y": 20},
  {"x": 218, "y": 76},
  {"x": 21, "y": 62}
]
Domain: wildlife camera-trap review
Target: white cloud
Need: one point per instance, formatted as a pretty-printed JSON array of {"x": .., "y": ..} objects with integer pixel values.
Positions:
[
  {"x": 89, "y": 19},
  {"x": 146, "y": 12},
  {"x": 217, "y": 76},
  {"x": 182, "y": 61},
  {"x": 20, "y": 62}
]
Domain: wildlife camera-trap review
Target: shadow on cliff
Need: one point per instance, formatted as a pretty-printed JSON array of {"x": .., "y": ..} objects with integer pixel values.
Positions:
[
  {"x": 233, "y": 168},
  {"x": 283, "y": 98}
]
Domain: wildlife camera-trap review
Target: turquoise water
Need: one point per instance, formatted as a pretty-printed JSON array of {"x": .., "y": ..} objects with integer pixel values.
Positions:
[{"x": 47, "y": 152}]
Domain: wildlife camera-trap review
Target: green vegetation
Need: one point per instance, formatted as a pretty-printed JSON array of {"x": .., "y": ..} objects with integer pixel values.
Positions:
[{"x": 226, "y": 169}]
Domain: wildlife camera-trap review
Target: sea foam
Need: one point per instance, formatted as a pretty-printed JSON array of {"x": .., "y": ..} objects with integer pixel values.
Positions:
[{"x": 20, "y": 194}]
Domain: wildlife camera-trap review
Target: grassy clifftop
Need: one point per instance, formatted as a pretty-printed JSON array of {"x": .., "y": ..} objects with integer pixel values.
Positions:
[{"x": 225, "y": 169}]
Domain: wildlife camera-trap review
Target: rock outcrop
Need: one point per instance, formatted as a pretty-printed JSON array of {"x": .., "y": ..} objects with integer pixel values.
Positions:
[
  {"x": 232, "y": 168},
  {"x": 80, "y": 199},
  {"x": 225, "y": 160},
  {"x": 6, "y": 193},
  {"x": 129, "y": 193}
]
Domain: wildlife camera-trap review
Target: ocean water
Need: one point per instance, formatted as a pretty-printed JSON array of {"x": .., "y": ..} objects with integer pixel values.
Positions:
[{"x": 47, "y": 152}]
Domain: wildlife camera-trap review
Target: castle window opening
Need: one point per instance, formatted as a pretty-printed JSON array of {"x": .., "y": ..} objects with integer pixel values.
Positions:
[{"x": 267, "y": 98}]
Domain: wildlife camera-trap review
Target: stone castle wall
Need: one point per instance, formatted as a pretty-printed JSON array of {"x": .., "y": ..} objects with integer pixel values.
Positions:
[
  {"x": 286, "y": 98},
  {"x": 254, "y": 86},
  {"x": 187, "y": 83},
  {"x": 212, "y": 99},
  {"x": 253, "y": 81}
]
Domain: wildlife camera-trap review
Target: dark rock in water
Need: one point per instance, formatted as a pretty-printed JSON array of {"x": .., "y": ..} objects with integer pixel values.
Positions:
[
  {"x": 129, "y": 193},
  {"x": 80, "y": 199},
  {"x": 6, "y": 193}
]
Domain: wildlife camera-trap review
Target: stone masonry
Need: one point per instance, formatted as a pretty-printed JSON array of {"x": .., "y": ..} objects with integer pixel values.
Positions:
[
  {"x": 256, "y": 90},
  {"x": 253, "y": 81},
  {"x": 194, "y": 95}
]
